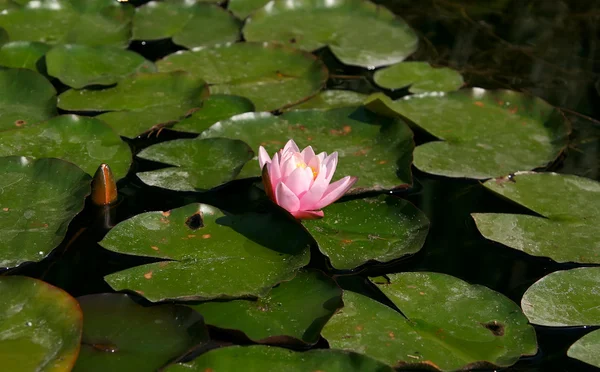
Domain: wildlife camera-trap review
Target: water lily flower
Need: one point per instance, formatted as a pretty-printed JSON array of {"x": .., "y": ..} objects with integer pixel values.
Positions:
[{"x": 299, "y": 181}]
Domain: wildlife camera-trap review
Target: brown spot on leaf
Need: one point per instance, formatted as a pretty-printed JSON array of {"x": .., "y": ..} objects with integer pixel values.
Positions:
[
  {"x": 162, "y": 264},
  {"x": 392, "y": 336},
  {"x": 166, "y": 213},
  {"x": 208, "y": 370},
  {"x": 148, "y": 275},
  {"x": 362, "y": 152},
  {"x": 359, "y": 328},
  {"x": 422, "y": 293},
  {"x": 346, "y": 241},
  {"x": 191, "y": 236},
  {"x": 154, "y": 247},
  {"x": 513, "y": 110},
  {"x": 383, "y": 162},
  {"x": 347, "y": 129},
  {"x": 205, "y": 236},
  {"x": 495, "y": 327},
  {"x": 139, "y": 292},
  {"x": 5, "y": 209},
  {"x": 20, "y": 123},
  {"x": 107, "y": 348},
  {"x": 195, "y": 221},
  {"x": 478, "y": 103}
]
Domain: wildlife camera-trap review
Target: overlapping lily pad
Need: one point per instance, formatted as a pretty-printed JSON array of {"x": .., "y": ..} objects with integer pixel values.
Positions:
[
  {"x": 207, "y": 254},
  {"x": 243, "y": 8},
  {"x": 23, "y": 54},
  {"x": 330, "y": 99},
  {"x": 357, "y": 32},
  {"x": 483, "y": 134},
  {"x": 40, "y": 326},
  {"x": 569, "y": 228},
  {"x": 271, "y": 76},
  {"x": 120, "y": 335},
  {"x": 587, "y": 349},
  {"x": 449, "y": 325},
  {"x": 421, "y": 77}
]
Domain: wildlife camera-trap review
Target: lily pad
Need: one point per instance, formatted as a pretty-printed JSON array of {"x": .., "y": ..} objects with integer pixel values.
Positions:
[
  {"x": 207, "y": 254},
  {"x": 483, "y": 134},
  {"x": 449, "y": 325},
  {"x": 587, "y": 349},
  {"x": 357, "y": 32},
  {"x": 86, "y": 142},
  {"x": 258, "y": 358},
  {"x": 421, "y": 77},
  {"x": 271, "y": 76},
  {"x": 190, "y": 24},
  {"x": 294, "y": 311},
  {"x": 38, "y": 200},
  {"x": 81, "y": 65},
  {"x": 120, "y": 335},
  {"x": 569, "y": 228},
  {"x": 330, "y": 99},
  {"x": 200, "y": 164},
  {"x": 23, "y": 54},
  {"x": 40, "y": 326},
  {"x": 215, "y": 108},
  {"x": 351, "y": 237},
  {"x": 243, "y": 8},
  {"x": 26, "y": 98}
]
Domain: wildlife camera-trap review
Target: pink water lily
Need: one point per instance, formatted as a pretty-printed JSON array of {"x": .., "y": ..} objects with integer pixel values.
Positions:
[{"x": 299, "y": 181}]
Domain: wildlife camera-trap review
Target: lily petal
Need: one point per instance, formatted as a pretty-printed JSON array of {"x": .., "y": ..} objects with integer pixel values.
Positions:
[
  {"x": 299, "y": 180},
  {"x": 263, "y": 157},
  {"x": 286, "y": 199},
  {"x": 315, "y": 193},
  {"x": 291, "y": 146},
  {"x": 331, "y": 163},
  {"x": 335, "y": 191}
]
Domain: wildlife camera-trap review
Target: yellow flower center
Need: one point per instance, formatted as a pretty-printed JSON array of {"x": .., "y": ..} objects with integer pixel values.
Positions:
[{"x": 302, "y": 164}]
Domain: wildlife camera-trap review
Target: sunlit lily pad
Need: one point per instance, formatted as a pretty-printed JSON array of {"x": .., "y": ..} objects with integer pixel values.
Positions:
[
  {"x": 40, "y": 326},
  {"x": 271, "y": 76},
  {"x": 208, "y": 254},
  {"x": 330, "y": 99},
  {"x": 23, "y": 54},
  {"x": 200, "y": 164},
  {"x": 86, "y": 142},
  {"x": 243, "y": 8},
  {"x": 587, "y": 349},
  {"x": 293, "y": 311},
  {"x": 215, "y": 108},
  {"x": 449, "y": 324},
  {"x": 421, "y": 77},
  {"x": 569, "y": 228},
  {"x": 483, "y": 134},
  {"x": 120, "y": 335},
  {"x": 357, "y": 32}
]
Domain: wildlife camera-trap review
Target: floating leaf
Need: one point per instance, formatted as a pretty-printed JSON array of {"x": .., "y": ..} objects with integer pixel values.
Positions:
[
  {"x": 357, "y": 32},
  {"x": 420, "y": 76},
  {"x": 571, "y": 207},
  {"x": 86, "y": 142},
  {"x": 40, "y": 326},
  {"x": 120, "y": 335},
  {"x": 330, "y": 99},
  {"x": 243, "y": 8},
  {"x": 297, "y": 309},
  {"x": 483, "y": 134},
  {"x": 350, "y": 236},
  {"x": 201, "y": 164},
  {"x": 587, "y": 349},
  {"x": 270, "y": 75},
  {"x": 450, "y": 324},
  {"x": 23, "y": 54},
  {"x": 208, "y": 254}
]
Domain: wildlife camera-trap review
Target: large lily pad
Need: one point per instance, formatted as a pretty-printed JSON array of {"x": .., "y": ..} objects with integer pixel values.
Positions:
[
  {"x": 40, "y": 326},
  {"x": 351, "y": 237},
  {"x": 120, "y": 335},
  {"x": 200, "y": 164},
  {"x": 207, "y": 254},
  {"x": 271, "y": 76},
  {"x": 293, "y": 311},
  {"x": 569, "y": 228},
  {"x": 357, "y": 32},
  {"x": 483, "y": 134},
  {"x": 449, "y": 324},
  {"x": 420, "y": 76},
  {"x": 86, "y": 142},
  {"x": 23, "y": 54},
  {"x": 587, "y": 349}
]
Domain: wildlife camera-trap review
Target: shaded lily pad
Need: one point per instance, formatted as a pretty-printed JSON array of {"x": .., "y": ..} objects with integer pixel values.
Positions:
[
  {"x": 215, "y": 108},
  {"x": 271, "y": 76},
  {"x": 86, "y": 142},
  {"x": 38, "y": 200},
  {"x": 207, "y": 254},
  {"x": 26, "y": 98},
  {"x": 294, "y": 311},
  {"x": 569, "y": 228},
  {"x": 258, "y": 358},
  {"x": 201, "y": 164},
  {"x": 483, "y": 134},
  {"x": 357, "y": 32},
  {"x": 330, "y": 99},
  {"x": 243, "y": 8},
  {"x": 420, "y": 76},
  {"x": 23, "y": 54},
  {"x": 449, "y": 324},
  {"x": 587, "y": 349},
  {"x": 81, "y": 65},
  {"x": 40, "y": 326},
  {"x": 120, "y": 335},
  {"x": 350, "y": 236}
]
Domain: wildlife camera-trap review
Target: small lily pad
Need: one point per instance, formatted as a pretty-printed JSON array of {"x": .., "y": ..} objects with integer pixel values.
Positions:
[
  {"x": 421, "y": 77},
  {"x": 23, "y": 54},
  {"x": 330, "y": 99},
  {"x": 587, "y": 349},
  {"x": 215, "y": 108}
]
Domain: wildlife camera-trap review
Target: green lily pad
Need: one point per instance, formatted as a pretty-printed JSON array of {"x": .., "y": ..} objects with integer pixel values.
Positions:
[
  {"x": 86, "y": 142},
  {"x": 420, "y": 76},
  {"x": 259, "y": 358},
  {"x": 120, "y": 335},
  {"x": 243, "y": 8},
  {"x": 271, "y": 76},
  {"x": 483, "y": 134},
  {"x": 215, "y": 108},
  {"x": 449, "y": 324},
  {"x": 569, "y": 228},
  {"x": 23, "y": 54},
  {"x": 200, "y": 164},
  {"x": 26, "y": 98},
  {"x": 350, "y": 236},
  {"x": 40, "y": 326},
  {"x": 90, "y": 22},
  {"x": 208, "y": 254},
  {"x": 587, "y": 349},
  {"x": 330, "y": 99},
  {"x": 81, "y": 65},
  {"x": 357, "y": 32},
  {"x": 294, "y": 311},
  {"x": 190, "y": 24},
  {"x": 38, "y": 200},
  {"x": 376, "y": 149}
]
